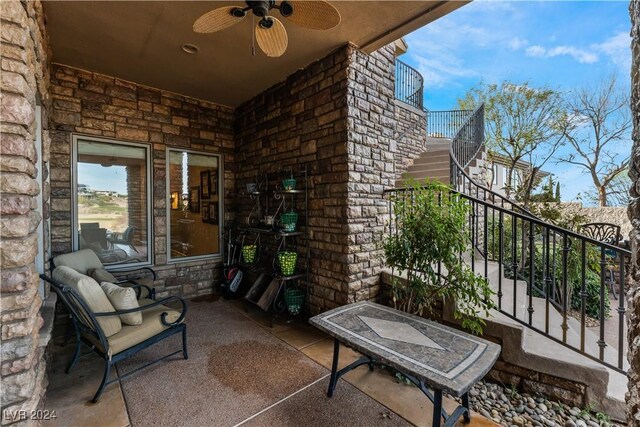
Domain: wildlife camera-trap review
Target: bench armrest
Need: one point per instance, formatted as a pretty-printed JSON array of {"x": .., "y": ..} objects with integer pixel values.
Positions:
[
  {"x": 163, "y": 316},
  {"x": 151, "y": 292},
  {"x": 144, "y": 270}
]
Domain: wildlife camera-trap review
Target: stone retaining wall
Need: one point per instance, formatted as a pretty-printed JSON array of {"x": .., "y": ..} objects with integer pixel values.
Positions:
[
  {"x": 24, "y": 84},
  {"x": 92, "y": 104},
  {"x": 612, "y": 214}
]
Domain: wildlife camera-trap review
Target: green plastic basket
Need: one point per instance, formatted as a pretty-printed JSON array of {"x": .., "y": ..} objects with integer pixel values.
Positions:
[
  {"x": 249, "y": 253},
  {"x": 287, "y": 262},
  {"x": 289, "y": 184},
  {"x": 294, "y": 299},
  {"x": 289, "y": 221}
]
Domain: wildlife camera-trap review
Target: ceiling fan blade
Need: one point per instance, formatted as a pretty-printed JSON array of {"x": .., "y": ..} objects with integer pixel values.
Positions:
[
  {"x": 273, "y": 41},
  {"x": 216, "y": 20},
  {"x": 317, "y": 15}
]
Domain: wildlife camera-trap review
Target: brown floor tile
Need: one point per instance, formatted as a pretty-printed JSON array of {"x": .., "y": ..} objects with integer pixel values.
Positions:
[
  {"x": 300, "y": 335},
  {"x": 405, "y": 400},
  {"x": 69, "y": 394},
  {"x": 322, "y": 353}
]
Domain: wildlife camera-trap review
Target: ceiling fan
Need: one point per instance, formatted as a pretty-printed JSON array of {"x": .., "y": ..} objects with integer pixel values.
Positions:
[{"x": 269, "y": 32}]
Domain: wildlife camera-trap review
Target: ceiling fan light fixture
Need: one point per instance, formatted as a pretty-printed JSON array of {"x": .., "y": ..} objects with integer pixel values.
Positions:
[
  {"x": 190, "y": 49},
  {"x": 266, "y": 23},
  {"x": 238, "y": 12},
  {"x": 286, "y": 9}
]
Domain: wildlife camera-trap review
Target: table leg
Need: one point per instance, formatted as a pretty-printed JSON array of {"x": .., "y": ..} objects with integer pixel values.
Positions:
[
  {"x": 334, "y": 368},
  {"x": 437, "y": 408},
  {"x": 465, "y": 403}
]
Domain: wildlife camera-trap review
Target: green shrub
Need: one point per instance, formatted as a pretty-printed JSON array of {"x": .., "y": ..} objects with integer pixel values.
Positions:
[{"x": 432, "y": 228}]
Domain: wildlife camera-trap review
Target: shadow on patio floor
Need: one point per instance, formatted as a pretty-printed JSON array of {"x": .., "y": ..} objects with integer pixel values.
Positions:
[{"x": 240, "y": 371}]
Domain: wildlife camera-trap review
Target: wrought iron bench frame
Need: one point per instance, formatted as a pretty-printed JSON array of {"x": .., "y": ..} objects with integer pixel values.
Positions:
[
  {"x": 89, "y": 332},
  {"x": 608, "y": 233}
]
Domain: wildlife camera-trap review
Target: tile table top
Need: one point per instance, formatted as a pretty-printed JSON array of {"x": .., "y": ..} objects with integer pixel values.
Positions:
[{"x": 443, "y": 357}]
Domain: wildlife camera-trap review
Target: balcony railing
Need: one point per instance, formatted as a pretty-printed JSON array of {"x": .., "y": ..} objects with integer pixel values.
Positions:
[
  {"x": 445, "y": 124},
  {"x": 409, "y": 85},
  {"x": 547, "y": 278}
]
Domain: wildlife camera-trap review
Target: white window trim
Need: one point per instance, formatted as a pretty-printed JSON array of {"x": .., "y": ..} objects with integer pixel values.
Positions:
[
  {"x": 217, "y": 256},
  {"x": 74, "y": 196}
]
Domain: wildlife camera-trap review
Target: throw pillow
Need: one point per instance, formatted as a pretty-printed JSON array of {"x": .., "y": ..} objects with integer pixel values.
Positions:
[{"x": 123, "y": 298}]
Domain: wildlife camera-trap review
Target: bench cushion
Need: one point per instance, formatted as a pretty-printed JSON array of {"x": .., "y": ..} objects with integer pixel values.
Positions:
[
  {"x": 81, "y": 261},
  {"x": 95, "y": 298},
  {"x": 150, "y": 326},
  {"x": 101, "y": 275},
  {"x": 123, "y": 298}
]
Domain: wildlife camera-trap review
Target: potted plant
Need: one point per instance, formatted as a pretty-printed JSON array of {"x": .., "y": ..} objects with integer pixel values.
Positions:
[{"x": 432, "y": 229}]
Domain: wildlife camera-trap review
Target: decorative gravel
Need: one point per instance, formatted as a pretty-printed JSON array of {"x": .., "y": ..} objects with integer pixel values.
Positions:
[{"x": 510, "y": 408}]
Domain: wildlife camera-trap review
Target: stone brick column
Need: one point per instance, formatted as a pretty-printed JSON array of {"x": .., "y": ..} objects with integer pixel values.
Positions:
[
  {"x": 371, "y": 126},
  {"x": 24, "y": 80},
  {"x": 633, "y": 396}
]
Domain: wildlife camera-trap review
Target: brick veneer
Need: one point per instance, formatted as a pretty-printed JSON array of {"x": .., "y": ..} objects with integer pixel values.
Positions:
[
  {"x": 337, "y": 117},
  {"x": 303, "y": 121},
  {"x": 410, "y": 136},
  {"x": 24, "y": 83},
  {"x": 86, "y": 103}
]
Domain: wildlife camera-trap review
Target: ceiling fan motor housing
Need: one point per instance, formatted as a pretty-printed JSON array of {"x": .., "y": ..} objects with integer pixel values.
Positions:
[{"x": 261, "y": 8}]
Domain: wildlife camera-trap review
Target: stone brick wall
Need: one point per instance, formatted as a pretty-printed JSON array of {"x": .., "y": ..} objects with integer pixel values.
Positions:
[
  {"x": 410, "y": 137},
  {"x": 613, "y": 214},
  {"x": 302, "y": 121},
  {"x": 87, "y": 103},
  {"x": 371, "y": 126},
  {"x": 337, "y": 117},
  {"x": 633, "y": 396},
  {"x": 24, "y": 83}
]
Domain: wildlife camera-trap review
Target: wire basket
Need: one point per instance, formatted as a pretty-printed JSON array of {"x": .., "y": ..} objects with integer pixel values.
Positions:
[
  {"x": 294, "y": 298},
  {"x": 289, "y": 183},
  {"x": 289, "y": 221},
  {"x": 287, "y": 262},
  {"x": 249, "y": 253}
]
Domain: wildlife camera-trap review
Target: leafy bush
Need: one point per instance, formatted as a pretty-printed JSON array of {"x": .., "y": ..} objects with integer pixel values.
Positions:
[
  {"x": 592, "y": 303},
  {"x": 432, "y": 229}
]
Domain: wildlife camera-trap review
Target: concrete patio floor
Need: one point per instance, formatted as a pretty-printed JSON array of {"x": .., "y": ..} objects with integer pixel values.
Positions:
[{"x": 68, "y": 394}]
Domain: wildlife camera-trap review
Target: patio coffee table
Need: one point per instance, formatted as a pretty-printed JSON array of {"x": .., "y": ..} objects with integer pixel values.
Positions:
[{"x": 432, "y": 356}]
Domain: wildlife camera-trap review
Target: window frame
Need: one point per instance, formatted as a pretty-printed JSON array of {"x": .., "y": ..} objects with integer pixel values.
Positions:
[
  {"x": 76, "y": 138},
  {"x": 216, "y": 256}
]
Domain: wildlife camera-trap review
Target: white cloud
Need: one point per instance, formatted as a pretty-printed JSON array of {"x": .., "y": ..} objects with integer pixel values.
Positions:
[
  {"x": 517, "y": 43},
  {"x": 617, "y": 49},
  {"x": 536, "y": 50},
  {"x": 581, "y": 55}
]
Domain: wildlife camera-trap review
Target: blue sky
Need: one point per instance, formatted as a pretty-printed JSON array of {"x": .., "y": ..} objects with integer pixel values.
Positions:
[{"x": 563, "y": 45}]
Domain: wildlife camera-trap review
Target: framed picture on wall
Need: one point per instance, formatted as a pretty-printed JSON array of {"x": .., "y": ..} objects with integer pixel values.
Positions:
[
  {"x": 205, "y": 212},
  {"x": 205, "y": 190},
  {"x": 194, "y": 199},
  {"x": 213, "y": 182},
  {"x": 175, "y": 200},
  {"x": 213, "y": 213}
]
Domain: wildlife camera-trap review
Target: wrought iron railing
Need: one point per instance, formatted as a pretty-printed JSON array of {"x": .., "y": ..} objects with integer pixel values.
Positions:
[
  {"x": 409, "y": 85},
  {"x": 445, "y": 124},
  {"x": 550, "y": 279}
]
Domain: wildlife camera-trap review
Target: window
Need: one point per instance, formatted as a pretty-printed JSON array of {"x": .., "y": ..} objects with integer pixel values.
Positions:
[
  {"x": 193, "y": 204},
  {"x": 112, "y": 200}
]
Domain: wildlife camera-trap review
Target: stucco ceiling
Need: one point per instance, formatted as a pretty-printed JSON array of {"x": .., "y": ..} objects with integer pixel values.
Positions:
[{"x": 141, "y": 42}]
